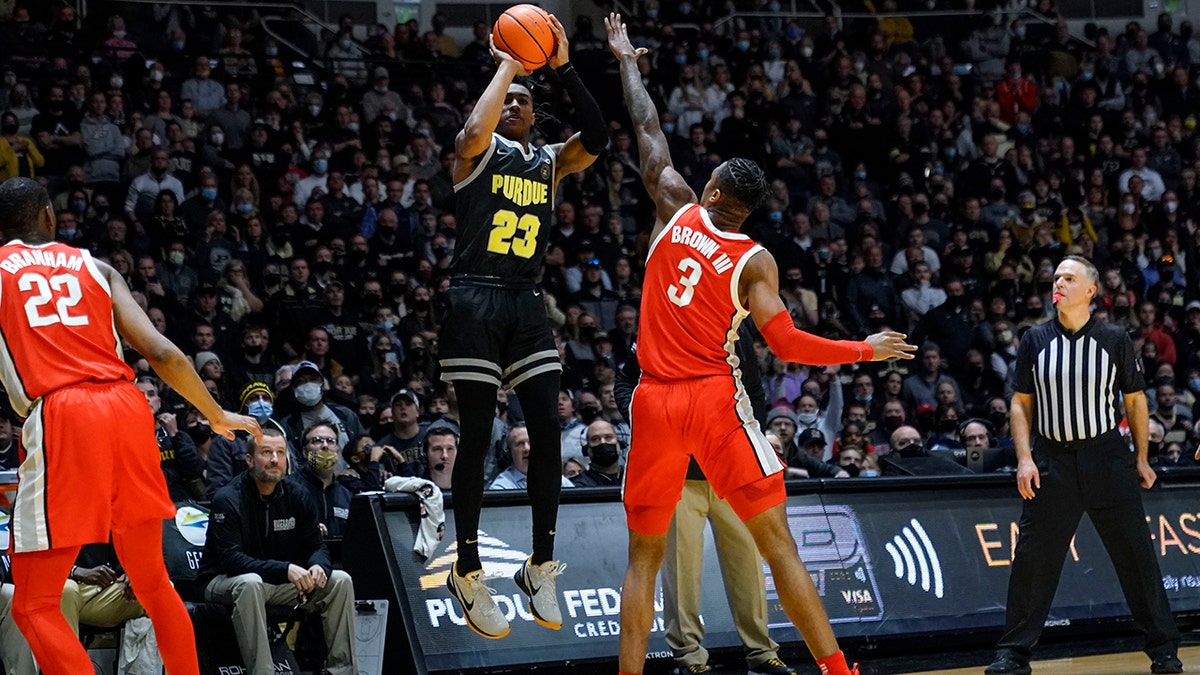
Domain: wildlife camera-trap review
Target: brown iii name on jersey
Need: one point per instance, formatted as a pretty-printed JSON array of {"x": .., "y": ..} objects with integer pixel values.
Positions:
[{"x": 703, "y": 244}]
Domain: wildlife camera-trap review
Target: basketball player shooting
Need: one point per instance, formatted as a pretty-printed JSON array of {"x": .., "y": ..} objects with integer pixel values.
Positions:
[
  {"x": 702, "y": 279},
  {"x": 496, "y": 329},
  {"x": 90, "y": 459}
]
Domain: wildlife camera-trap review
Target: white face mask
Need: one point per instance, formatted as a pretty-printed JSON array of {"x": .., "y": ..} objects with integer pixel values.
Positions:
[{"x": 1129, "y": 208}]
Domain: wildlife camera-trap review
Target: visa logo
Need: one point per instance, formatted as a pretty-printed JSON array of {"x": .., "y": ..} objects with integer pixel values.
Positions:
[{"x": 858, "y": 597}]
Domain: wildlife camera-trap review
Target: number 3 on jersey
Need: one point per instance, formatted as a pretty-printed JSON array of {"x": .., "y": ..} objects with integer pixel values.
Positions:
[
  {"x": 44, "y": 290},
  {"x": 682, "y": 294},
  {"x": 505, "y": 225}
]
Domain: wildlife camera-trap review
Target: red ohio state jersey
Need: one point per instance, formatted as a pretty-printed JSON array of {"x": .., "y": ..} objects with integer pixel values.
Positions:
[
  {"x": 690, "y": 305},
  {"x": 56, "y": 322}
]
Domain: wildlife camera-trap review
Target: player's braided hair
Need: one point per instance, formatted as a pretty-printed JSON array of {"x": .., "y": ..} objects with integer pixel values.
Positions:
[{"x": 745, "y": 181}]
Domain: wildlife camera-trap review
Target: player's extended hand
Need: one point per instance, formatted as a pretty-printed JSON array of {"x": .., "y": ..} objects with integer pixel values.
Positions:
[
  {"x": 562, "y": 48},
  {"x": 890, "y": 345},
  {"x": 618, "y": 38},
  {"x": 228, "y": 422},
  {"x": 1028, "y": 477},
  {"x": 1146, "y": 473},
  {"x": 504, "y": 58}
]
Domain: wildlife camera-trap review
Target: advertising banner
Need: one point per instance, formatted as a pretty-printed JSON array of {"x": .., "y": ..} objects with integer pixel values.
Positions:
[{"x": 886, "y": 563}]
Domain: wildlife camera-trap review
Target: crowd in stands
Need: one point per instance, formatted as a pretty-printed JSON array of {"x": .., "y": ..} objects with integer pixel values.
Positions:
[{"x": 274, "y": 209}]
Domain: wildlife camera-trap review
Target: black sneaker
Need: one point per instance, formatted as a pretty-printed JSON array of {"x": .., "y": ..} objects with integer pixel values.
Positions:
[
  {"x": 1007, "y": 665},
  {"x": 772, "y": 667},
  {"x": 1168, "y": 663},
  {"x": 687, "y": 670}
]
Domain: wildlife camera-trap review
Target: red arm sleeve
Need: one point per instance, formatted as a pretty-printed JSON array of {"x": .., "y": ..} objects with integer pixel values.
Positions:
[{"x": 796, "y": 346}]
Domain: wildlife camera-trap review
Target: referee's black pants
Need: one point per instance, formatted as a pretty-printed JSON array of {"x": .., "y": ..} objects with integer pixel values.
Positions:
[{"x": 1097, "y": 476}]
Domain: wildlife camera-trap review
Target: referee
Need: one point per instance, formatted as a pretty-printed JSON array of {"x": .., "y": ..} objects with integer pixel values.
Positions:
[{"x": 1064, "y": 425}]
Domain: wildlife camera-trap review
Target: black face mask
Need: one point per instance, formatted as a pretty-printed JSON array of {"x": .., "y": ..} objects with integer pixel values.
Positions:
[
  {"x": 605, "y": 454},
  {"x": 371, "y": 299},
  {"x": 421, "y": 305},
  {"x": 253, "y": 350},
  {"x": 8, "y": 129},
  {"x": 397, "y": 289},
  {"x": 200, "y": 434},
  {"x": 947, "y": 426},
  {"x": 588, "y": 414}
]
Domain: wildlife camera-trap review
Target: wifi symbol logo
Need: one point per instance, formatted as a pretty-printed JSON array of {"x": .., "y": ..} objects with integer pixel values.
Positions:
[{"x": 913, "y": 554}]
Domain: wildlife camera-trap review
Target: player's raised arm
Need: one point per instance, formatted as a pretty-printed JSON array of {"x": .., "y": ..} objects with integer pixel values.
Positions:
[
  {"x": 581, "y": 149},
  {"x": 166, "y": 359},
  {"x": 663, "y": 182},
  {"x": 476, "y": 136},
  {"x": 760, "y": 292}
]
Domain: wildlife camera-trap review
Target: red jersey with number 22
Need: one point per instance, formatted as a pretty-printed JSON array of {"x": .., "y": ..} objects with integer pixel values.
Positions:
[
  {"x": 691, "y": 308},
  {"x": 56, "y": 322}
]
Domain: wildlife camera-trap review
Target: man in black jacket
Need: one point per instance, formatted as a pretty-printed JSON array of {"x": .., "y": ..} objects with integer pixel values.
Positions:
[
  {"x": 264, "y": 547},
  {"x": 332, "y": 498}
]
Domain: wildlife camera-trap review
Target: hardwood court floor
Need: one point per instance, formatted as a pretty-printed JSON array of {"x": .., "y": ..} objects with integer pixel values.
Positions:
[{"x": 1127, "y": 663}]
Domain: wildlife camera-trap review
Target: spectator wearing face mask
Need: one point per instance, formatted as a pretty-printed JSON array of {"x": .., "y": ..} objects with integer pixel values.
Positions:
[
  {"x": 321, "y": 452},
  {"x": 308, "y": 389},
  {"x": 604, "y": 454},
  {"x": 19, "y": 155}
]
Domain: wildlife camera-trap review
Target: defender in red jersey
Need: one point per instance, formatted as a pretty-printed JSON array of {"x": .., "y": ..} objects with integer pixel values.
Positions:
[
  {"x": 702, "y": 280},
  {"x": 90, "y": 461}
]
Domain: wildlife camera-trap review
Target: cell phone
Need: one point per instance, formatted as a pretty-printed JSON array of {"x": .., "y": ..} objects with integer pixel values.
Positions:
[{"x": 390, "y": 356}]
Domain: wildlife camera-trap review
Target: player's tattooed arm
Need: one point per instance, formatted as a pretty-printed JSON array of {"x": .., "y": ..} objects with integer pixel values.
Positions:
[{"x": 668, "y": 189}]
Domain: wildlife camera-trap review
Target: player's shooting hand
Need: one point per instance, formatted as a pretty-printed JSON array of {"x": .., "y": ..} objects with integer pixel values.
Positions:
[
  {"x": 1028, "y": 477},
  {"x": 890, "y": 345},
  {"x": 503, "y": 58},
  {"x": 228, "y": 422},
  {"x": 1146, "y": 473},
  {"x": 618, "y": 38},
  {"x": 300, "y": 578},
  {"x": 561, "y": 47}
]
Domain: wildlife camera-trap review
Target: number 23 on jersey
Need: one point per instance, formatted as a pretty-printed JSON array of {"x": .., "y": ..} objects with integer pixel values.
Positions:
[
  {"x": 51, "y": 300},
  {"x": 514, "y": 234}
]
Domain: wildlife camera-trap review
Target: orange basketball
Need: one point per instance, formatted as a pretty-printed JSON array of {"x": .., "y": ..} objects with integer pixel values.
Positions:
[{"x": 523, "y": 31}]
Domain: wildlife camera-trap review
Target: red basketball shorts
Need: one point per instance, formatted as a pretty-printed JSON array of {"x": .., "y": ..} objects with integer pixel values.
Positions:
[
  {"x": 91, "y": 464},
  {"x": 709, "y": 418}
]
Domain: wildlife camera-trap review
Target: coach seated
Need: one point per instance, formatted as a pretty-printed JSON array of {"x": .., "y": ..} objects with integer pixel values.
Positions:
[{"x": 287, "y": 564}]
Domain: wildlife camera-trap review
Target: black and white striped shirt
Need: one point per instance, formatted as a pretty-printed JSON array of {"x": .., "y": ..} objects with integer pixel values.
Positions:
[{"x": 1074, "y": 378}]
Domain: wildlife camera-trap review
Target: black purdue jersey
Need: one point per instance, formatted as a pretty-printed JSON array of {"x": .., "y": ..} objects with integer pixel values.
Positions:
[
  {"x": 504, "y": 213},
  {"x": 1075, "y": 377}
]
